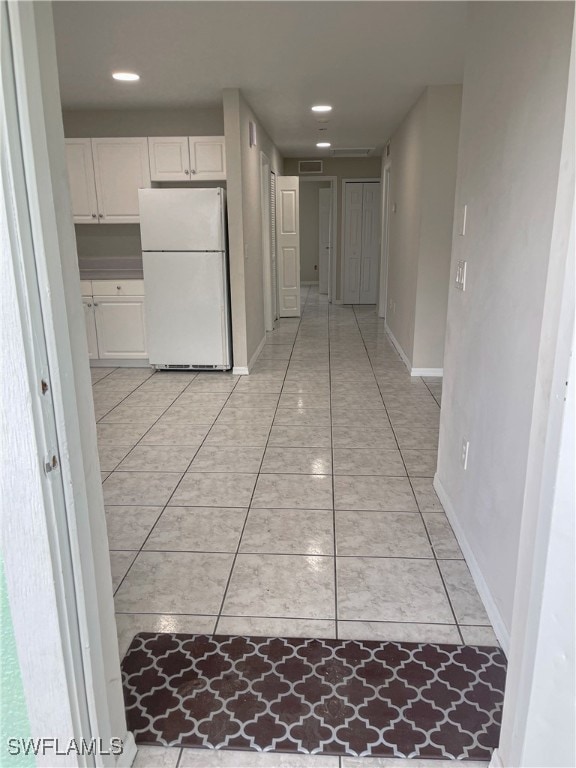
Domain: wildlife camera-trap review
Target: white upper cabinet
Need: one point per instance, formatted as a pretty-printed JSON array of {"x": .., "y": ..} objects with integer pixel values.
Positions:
[
  {"x": 121, "y": 168},
  {"x": 207, "y": 158},
  {"x": 169, "y": 158},
  {"x": 187, "y": 158},
  {"x": 105, "y": 176},
  {"x": 81, "y": 180}
]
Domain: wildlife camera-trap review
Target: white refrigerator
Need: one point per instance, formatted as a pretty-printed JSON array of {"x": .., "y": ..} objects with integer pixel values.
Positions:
[{"x": 186, "y": 278}]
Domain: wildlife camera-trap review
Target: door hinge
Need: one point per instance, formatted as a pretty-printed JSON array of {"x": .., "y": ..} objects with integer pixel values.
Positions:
[
  {"x": 51, "y": 463},
  {"x": 44, "y": 386}
]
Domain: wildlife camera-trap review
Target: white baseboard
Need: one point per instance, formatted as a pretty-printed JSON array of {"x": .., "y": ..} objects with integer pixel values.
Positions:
[
  {"x": 438, "y": 372},
  {"x": 129, "y": 750},
  {"x": 398, "y": 347},
  {"x": 120, "y": 363},
  {"x": 483, "y": 590},
  {"x": 496, "y": 760},
  {"x": 406, "y": 361},
  {"x": 244, "y": 370}
]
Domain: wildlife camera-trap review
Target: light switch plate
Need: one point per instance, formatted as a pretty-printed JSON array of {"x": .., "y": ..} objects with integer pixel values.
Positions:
[{"x": 461, "y": 276}]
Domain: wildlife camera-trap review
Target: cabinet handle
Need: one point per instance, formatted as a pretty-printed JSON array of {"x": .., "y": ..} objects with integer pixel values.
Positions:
[
  {"x": 94, "y": 216},
  {"x": 100, "y": 215},
  {"x": 95, "y": 304},
  {"x": 193, "y": 171},
  {"x": 186, "y": 171},
  {"x": 89, "y": 305}
]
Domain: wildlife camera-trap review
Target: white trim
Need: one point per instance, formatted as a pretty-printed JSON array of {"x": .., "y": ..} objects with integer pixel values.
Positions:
[
  {"x": 438, "y": 372},
  {"x": 129, "y": 750},
  {"x": 266, "y": 238},
  {"x": 399, "y": 349},
  {"x": 496, "y": 760},
  {"x": 483, "y": 590},
  {"x": 385, "y": 242},
  {"x": 244, "y": 370}
]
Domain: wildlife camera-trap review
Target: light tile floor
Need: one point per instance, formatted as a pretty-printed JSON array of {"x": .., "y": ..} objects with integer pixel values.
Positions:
[{"x": 296, "y": 501}]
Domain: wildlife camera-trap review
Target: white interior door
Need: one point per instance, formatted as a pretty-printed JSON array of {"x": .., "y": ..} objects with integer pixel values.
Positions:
[
  {"x": 324, "y": 237},
  {"x": 371, "y": 233},
  {"x": 288, "y": 242},
  {"x": 354, "y": 193}
]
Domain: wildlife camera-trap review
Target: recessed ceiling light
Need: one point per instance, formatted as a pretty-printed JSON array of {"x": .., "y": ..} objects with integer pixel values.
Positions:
[
  {"x": 322, "y": 108},
  {"x": 323, "y": 144},
  {"x": 126, "y": 76}
]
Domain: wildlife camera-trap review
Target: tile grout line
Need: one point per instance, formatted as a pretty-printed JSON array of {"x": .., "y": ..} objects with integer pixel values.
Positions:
[
  {"x": 229, "y": 580},
  {"x": 164, "y": 507},
  {"x": 417, "y": 504}
]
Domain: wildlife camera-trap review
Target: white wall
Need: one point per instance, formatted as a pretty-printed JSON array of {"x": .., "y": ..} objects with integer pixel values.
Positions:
[
  {"x": 512, "y": 121},
  {"x": 423, "y": 154},
  {"x": 245, "y": 223},
  {"x": 191, "y": 121}
]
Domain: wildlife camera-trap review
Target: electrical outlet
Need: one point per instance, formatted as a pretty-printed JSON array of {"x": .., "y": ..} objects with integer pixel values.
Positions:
[
  {"x": 461, "y": 276},
  {"x": 464, "y": 454}
]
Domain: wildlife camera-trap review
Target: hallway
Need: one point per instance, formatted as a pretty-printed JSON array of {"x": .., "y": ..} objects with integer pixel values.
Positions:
[{"x": 227, "y": 498}]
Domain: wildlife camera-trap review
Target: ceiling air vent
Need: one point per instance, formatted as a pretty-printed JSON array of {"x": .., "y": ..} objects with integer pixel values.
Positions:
[
  {"x": 354, "y": 152},
  {"x": 310, "y": 166}
]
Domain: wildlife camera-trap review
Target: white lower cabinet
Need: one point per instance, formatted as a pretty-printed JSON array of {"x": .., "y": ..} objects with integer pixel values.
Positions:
[
  {"x": 115, "y": 320},
  {"x": 120, "y": 327}
]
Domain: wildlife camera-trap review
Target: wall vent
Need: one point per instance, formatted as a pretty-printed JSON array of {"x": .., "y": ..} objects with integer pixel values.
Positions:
[
  {"x": 310, "y": 166},
  {"x": 353, "y": 152}
]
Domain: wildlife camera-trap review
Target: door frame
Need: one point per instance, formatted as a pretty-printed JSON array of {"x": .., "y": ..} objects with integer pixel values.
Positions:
[
  {"x": 385, "y": 245},
  {"x": 266, "y": 238},
  {"x": 333, "y": 260},
  {"x": 70, "y": 570},
  {"x": 374, "y": 179}
]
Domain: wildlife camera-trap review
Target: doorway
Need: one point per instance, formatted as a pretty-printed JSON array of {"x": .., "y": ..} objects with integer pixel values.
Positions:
[
  {"x": 361, "y": 236},
  {"x": 318, "y": 229}
]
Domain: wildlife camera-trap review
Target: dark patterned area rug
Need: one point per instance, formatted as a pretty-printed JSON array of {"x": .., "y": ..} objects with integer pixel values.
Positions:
[{"x": 333, "y": 697}]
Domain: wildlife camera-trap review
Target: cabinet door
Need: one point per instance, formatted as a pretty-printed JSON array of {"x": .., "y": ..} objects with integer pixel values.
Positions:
[
  {"x": 169, "y": 158},
  {"x": 90, "y": 327},
  {"x": 207, "y": 158},
  {"x": 120, "y": 327},
  {"x": 81, "y": 181},
  {"x": 121, "y": 168}
]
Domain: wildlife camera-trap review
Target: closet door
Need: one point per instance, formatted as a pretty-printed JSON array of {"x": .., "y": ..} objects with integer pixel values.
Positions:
[
  {"x": 288, "y": 240},
  {"x": 354, "y": 192},
  {"x": 369, "y": 270}
]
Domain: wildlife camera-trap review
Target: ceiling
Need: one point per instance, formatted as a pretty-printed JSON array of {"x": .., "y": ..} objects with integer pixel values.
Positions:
[{"x": 370, "y": 60}]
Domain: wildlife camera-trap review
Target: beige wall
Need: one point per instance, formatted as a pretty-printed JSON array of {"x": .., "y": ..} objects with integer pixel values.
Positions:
[
  {"x": 245, "y": 223},
  {"x": 102, "y": 123},
  {"x": 423, "y": 154},
  {"x": 513, "y": 113},
  {"x": 309, "y": 226},
  {"x": 342, "y": 168}
]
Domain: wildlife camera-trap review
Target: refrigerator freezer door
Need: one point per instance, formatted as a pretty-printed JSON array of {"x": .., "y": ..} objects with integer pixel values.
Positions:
[
  {"x": 186, "y": 309},
  {"x": 182, "y": 219}
]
